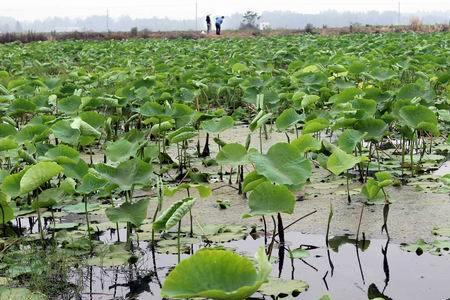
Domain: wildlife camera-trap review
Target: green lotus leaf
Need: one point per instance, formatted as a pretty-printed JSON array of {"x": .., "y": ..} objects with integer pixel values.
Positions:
[
  {"x": 419, "y": 117},
  {"x": 32, "y": 133},
  {"x": 62, "y": 151},
  {"x": 280, "y": 288},
  {"x": 182, "y": 134},
  {"x": 218, "y": 125},
  {"x": 38, "y": 174},
  {"x": 260, "y": 119},
  {"x": 134, "y": 213},
  {"x": 203, "y": 190},
  {"x": 252, "y": 180},
  {"x": 8, "y": 293},
  {"x": 282, "y": 164},
  {"x": 65, "y": 133},
  {"x": 239, "y": 68},
  {"x": 216, "y": 274},
  {"x": 109, "y": 256},
  {"x": 315, "y": 125},
  {"x": 340, "y": 161},
  {"x": 306, "y": 143},
  {"x": 11, "y": 183},
  {"x": 309, "y": 100},
  {"x": 84, "y": 127},
  {"x": 268, "y": 198},
  {"x": 382, "y": 74},
  {"x": 349, "y": 139},
  {"x": 161, "y": 127},
  {"x": 69, "y": 105},
  {"x": 127, "y": 174},
  {"x": 73, "y": 168},
  {"x": 48, "y": 198},
  {"x": 299, "y": 253},
  {"x": 7, "y": 130},
  {"x": 374, "y": 128},
  {"x": 232, "y": 154},
  {"x": 80, "y": 208},
  {"x": 121, "y": 150},
  {"x": 173, "y": 214},
  {"x": 6, "y": 212},
  {"x": 91, "y": 182},
  {"x": 21, "y": 106},
  {"x": 365, "y": 107},
  {"x": 7, "y": 144},
  {"x": 287, "y": 118}
]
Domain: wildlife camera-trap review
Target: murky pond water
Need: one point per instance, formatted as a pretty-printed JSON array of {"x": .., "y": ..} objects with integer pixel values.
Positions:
[{"x": 345, "y": 271}]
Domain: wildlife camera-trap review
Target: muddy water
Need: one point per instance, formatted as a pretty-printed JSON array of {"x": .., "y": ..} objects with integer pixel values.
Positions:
[{"x": 347, "y": 272}]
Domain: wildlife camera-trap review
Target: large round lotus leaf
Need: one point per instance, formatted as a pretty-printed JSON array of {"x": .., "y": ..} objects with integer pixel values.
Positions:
[
  {"x": 315, "y": 125},
  {"x": 218, "y": 125},
  {"x": 374, "y": 128},
  {"x": 409, "y": 92},
  {"x": 216, "y": 274},
  {"x": 345, "y": 96},
  {"x": 349, "y": 138},
  {"x": 62, "y": 150},
  {"x": 127, "y": 174},
  {"x": 121, "y": 150},
  {"x": 232, "y": 154},
  {"x": 7, "y": 144},
  {"x": 134, "y": 213},
  {"x": 38, "y": 174},
  {"x": 66, "y": 134},
  {"x": 268, "y": 198},
  {"x": 287, "y": 118},
  {"x": 7, "y": 130},
  {"x": 70, "y": 104},
  {"x": 91, "y": 182},
  {"x": 283, "y": 164},
  {"x": 306, "y": 143},
  {"x": 419, "y": 117},
  {"x": 382, "y": 74},
  {"x": 339, "y": 161}
]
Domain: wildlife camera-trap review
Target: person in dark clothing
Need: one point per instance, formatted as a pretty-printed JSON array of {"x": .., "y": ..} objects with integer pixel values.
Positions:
[
  {"x": 219, "y": 21},
  {"x": 208, "y": 24}
]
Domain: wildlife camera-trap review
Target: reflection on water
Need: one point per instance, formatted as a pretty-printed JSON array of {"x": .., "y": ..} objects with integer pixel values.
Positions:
[{"x": 367, "y": 270}]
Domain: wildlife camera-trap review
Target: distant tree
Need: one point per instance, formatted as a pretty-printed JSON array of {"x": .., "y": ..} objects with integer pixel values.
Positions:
[
  {"x": 309, "y": 28},
  {"x": 250, "y": 20},
  {"x": 134, "y": 31}
]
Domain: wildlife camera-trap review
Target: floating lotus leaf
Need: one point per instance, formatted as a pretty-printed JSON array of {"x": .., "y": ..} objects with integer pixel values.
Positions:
[
  {"x": 280, "y": 288},
  {"x": 216, "y": 274}
]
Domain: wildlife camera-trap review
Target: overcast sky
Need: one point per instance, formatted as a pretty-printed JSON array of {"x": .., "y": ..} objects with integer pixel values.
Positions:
[{"x": 185, "y": 9}]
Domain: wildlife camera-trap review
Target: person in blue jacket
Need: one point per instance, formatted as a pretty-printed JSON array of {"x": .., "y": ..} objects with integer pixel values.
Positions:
[{"x": 219, "y": 21}]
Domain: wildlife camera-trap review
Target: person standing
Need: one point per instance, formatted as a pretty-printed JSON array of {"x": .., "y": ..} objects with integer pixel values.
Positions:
[
  {"x": 208, "y": 24},
  {"x": 219, "y": 21}
]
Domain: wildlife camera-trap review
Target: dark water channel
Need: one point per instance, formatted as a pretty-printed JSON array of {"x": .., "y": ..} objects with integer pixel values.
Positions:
[{"x": 373, "y": 269}]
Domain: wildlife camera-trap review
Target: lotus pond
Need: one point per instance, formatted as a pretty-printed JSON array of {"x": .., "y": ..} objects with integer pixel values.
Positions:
[{"x": 297, "y": 167}]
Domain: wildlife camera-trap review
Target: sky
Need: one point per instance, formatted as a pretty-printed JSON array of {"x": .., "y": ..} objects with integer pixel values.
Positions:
[{"x": 185, "y": 9}]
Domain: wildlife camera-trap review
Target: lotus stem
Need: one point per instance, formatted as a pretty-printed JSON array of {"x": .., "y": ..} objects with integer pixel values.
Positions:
[
  {"x": 179, "y": 242},
  {"x": 330, "y": 216},
  {"x": 87, "y": 222}
]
